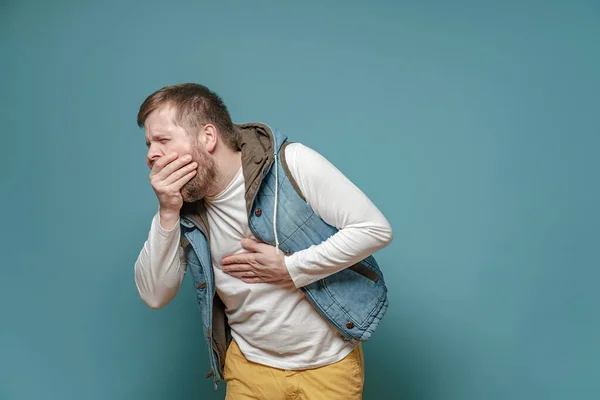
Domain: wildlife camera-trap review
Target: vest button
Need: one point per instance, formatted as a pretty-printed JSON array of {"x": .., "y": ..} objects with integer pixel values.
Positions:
[
  {"x": 350, "y": 325},
  {"x": 201, "y": 285},
  {"x": 258, "y": 212}
]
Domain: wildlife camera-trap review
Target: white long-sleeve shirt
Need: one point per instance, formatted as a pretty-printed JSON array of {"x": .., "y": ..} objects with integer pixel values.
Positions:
[{"x": 274, "y": 324}]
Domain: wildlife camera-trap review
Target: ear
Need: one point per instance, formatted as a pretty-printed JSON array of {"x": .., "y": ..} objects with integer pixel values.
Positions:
[{"x": 210, "y": 137}]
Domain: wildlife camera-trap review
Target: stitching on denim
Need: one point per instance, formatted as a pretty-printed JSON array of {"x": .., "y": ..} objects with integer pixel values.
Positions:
[
  {"x": 368, "y": 317},
  {"x": 297, "y": 228}
]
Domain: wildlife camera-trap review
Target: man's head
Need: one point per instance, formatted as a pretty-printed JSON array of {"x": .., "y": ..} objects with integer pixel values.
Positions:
[{"x": 188, "y": 119}]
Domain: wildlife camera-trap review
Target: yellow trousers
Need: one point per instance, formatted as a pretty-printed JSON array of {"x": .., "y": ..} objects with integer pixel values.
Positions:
[{"x": 247, "y": 380}]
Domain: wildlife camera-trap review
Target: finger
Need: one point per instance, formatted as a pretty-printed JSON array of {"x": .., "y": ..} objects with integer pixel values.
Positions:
[
  {"x": 159, "y": 164},
  {"x": 170, "y": 166},
  {"x": 180, "y": 173},
  {"x": 243, "y": 258},
  {"x": 253, "y": 280},
  {"x": 236, "y": 268},
  {"x": 178, "y": 184},
  {"x": 251, "y": 245},
  {"x": 243, "y": 275},
  {"x": 174, "y": 166}
]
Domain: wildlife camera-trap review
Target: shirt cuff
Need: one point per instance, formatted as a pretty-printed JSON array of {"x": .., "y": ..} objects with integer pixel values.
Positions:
[
  {"x": 165, "y": 232},
  {"x": 299, "y": 278}
]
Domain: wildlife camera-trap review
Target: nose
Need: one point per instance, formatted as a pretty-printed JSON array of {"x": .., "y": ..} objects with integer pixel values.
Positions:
[{"x": 154, "y": 153}]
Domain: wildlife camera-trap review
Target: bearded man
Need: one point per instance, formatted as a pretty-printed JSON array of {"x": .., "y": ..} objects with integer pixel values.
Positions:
[{"x": 279, "y": 245}]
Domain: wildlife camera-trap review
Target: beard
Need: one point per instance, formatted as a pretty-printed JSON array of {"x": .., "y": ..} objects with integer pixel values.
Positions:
[{"x": 206, "y": 174}]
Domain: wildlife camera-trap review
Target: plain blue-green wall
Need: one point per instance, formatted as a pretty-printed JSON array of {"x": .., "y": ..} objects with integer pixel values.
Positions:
[{"x": 474, "y": 126}]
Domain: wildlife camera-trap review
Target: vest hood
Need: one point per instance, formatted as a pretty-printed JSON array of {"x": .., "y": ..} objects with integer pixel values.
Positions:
[{"x": 259, "y": 145}]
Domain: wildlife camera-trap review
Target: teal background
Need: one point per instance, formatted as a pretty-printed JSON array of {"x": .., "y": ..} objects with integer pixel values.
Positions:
[{"x": 472, "y": 125}]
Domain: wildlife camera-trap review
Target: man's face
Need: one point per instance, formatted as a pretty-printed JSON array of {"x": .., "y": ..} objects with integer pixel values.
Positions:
[{"x": 163, "y": 137}]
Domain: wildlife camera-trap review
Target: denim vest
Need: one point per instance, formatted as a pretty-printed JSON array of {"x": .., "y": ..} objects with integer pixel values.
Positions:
[{"x": 353, "y": 300}]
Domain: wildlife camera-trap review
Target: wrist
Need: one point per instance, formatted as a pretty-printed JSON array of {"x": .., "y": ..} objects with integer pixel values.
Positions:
[
  {"x": 168, "y": 218},
  {"x": 291, "y": 267},
  {"x": 285, "y": 271}
]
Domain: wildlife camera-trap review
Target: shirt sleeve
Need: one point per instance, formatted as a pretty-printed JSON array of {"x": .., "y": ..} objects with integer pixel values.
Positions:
[
  {"x": 362, "y": 228},
  {"x": 160, "y": 266}
]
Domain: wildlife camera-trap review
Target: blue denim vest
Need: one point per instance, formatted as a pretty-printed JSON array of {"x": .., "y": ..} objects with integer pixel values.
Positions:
[{"x": 353, "y": 300}]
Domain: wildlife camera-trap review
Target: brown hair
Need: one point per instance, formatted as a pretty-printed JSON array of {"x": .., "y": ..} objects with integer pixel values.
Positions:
[{"x": 195, "y": 105}]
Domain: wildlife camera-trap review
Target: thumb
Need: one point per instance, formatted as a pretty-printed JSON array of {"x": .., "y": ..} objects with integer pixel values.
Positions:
[{"x": 251, "y": 245}]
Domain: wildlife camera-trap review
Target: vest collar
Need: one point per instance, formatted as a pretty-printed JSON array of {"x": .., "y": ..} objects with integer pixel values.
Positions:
[{"x": 256, "y": 142}]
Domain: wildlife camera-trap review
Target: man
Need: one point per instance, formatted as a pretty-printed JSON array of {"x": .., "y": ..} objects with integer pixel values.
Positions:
[{"x": 279, "y": 245}]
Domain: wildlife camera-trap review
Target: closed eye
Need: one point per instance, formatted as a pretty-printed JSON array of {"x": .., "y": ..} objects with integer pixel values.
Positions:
[{"x": 160, "y": 140}]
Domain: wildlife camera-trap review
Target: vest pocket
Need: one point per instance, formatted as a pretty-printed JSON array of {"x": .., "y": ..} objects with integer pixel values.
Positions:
[{"x": 357, "y": 295}]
